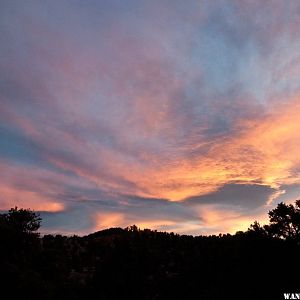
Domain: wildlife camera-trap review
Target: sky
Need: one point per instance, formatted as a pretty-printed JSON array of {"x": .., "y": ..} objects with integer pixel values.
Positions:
[{"x": 172, "y": 115}]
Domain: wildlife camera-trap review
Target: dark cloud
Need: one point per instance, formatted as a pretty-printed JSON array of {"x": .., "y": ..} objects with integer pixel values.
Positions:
[
  {"x": 246, "y": 196},
  {"x": 79, "y": 213}
]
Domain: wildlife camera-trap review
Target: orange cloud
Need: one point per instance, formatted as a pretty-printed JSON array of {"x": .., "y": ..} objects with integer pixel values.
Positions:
[
  {"x": 264, "y": 152},
  {"x": 30, "y": 187},
  {"x": 221, "y": 219},
  {"x": 11, "y": 197},
  {"x": 105, "y": 220}
]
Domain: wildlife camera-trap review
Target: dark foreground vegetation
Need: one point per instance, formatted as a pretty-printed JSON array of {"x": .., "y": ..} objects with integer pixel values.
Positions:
[{"x": 262, "y": 263}]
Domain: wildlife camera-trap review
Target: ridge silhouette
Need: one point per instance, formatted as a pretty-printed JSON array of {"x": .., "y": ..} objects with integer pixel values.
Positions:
[{"x": 130, "y": 263}]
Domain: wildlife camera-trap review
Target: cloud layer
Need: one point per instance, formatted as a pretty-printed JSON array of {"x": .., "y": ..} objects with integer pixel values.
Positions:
[{"x": 172, "y": 116}]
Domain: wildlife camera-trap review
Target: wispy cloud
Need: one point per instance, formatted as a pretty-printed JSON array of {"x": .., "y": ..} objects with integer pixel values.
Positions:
[{"x": 191, "y": 106}]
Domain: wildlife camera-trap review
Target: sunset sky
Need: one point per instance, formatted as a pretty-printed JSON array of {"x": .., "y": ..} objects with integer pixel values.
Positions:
[{"x": 179, "y": 116}]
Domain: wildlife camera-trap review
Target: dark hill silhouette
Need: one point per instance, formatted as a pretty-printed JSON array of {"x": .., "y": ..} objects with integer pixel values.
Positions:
[{"x": 116, "y": 263}]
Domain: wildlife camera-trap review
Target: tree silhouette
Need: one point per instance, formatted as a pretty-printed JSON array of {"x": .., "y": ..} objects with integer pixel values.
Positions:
[
  {"x": 139, "y": 264},
  {"x": 23, "y": 220},
  {"x": 258, "y": 230},
  {"x": 284, "y": 222}
]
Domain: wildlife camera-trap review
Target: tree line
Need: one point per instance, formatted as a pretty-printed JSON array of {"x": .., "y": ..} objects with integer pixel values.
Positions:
[{"x": 116, "y": 263}]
